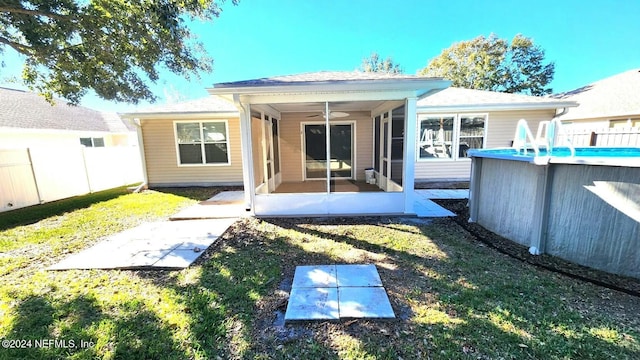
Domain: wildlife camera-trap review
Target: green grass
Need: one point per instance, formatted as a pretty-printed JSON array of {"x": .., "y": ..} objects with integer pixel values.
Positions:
[{"x": 454, "y": 298}]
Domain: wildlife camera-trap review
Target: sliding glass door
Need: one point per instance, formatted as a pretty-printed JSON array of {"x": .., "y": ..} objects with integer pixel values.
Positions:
[{"x": 340, "y": 160}]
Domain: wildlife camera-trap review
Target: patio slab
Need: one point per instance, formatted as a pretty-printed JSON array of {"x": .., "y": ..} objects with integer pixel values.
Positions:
[
  {"x": 226, "y": 204},
  {"x": 426, "y": 208},
  {"x": 168, "y": 244},
  {"x": 333, "y": 292},
  {"x": 443, "y": 193}
]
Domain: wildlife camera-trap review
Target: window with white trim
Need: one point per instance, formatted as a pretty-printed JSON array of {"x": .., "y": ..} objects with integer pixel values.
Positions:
[
  {"x": 450, "y": 136},
  {"x": 92, "y": 142},
  {"x": 202, "y": 142}
]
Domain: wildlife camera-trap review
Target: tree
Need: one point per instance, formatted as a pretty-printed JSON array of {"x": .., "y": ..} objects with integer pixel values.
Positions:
[
  {"x": 114, "y": 47},
  {"x": 494, "y": 64},
  {"x": 375, "y": 64}
]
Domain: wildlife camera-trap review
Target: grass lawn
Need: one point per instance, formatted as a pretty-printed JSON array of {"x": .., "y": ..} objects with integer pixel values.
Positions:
[{"x": 454, "y": 298}]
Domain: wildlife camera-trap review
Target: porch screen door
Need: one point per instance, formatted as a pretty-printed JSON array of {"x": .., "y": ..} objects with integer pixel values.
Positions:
[{"x": 341, "y": 161}]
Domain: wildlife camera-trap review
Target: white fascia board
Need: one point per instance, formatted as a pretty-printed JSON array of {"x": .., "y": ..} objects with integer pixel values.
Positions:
[
  {"x": 180, "y": 115},
  {"x": 325, "y": 97},
  {"x": 496, "y": 107},
  {"x": 413, "y": 85}
]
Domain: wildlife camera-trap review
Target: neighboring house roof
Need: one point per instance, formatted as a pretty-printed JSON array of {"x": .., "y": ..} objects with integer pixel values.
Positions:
[
  {"x": 25, "y": 110},
  {"x": 460, "y": 99},
  {"x": 209, "y": 104},
  {"x": 615, "y": 96}
]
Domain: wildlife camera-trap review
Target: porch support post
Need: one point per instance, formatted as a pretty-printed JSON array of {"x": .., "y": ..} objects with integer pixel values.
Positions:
[
  {"x": 328, "y": 140},
  {"x": 247, "y": 155},
  {"x": 409, "y": 158}
]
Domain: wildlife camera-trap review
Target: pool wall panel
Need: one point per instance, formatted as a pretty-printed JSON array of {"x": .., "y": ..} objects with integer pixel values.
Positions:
[
  {"x": 594, "y": 217},
  {"x": 507, "y": 198},
  {"x": 586, "y": 214}
]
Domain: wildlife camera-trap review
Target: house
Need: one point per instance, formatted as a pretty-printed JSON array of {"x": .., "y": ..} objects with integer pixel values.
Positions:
[
  {"x": 329, "y": 142},
  {"x": 613, "y": 103},
  {"x": 27, "y": 119}
]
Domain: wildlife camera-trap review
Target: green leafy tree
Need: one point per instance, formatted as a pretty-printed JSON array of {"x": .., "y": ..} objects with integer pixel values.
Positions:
[
  {"x": 495, "y": 64},
  {"x": 114, "y": 47},
  {"x": 375, "y": 64}
]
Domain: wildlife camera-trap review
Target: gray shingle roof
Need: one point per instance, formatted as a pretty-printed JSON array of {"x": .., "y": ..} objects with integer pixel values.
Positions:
[
  {"x": 468, "y": 98},
  {"x": 202, "y": 105},
  {"x": 318, "y": 77},
  {"x": 26, "y": 110},
  {"x": 615, "y": 96}
]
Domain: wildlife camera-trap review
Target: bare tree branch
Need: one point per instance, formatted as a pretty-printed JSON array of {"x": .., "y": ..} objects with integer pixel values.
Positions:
[
  {"x": 21, "y": 48},
  {"x": 33, "y": 12}
]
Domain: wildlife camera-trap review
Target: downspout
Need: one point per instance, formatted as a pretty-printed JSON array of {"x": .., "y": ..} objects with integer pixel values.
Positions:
[
  {"x": 138, "y": 124},
  {"x": 247, "y": 155},
  {"x": 564, "y": 111}
]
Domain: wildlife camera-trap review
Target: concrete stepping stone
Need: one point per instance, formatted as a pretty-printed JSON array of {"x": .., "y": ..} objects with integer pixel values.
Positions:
[
  {"x": 333, "y": 292},
  {"x": 315, "y": 276},
  {"x": 313, "y": 304},
  {"x": 364, "y": 302}
]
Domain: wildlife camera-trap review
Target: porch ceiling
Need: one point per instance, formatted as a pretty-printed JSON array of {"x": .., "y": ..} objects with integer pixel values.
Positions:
[{"x": 344, "y": 106}]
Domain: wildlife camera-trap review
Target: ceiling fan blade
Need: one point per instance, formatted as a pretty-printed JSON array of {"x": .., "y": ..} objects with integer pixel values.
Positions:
[
  {"x": 310, "y": 116},
  {"x": 338, "y": 114}
]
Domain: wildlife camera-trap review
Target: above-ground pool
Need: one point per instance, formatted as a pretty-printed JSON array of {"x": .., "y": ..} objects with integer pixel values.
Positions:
[{"x": 583, "y": 208}]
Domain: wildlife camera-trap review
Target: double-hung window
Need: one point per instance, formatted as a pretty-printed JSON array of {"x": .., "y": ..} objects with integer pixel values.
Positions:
[
  {"x": 202, "y": 142},
  {"x": 450, "y": 136}
]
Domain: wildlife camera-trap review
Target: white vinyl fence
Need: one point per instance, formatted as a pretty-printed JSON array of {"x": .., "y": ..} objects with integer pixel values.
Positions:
[
  {"x": 625, "y": 137},
  {"x": 42, "y": 174}
]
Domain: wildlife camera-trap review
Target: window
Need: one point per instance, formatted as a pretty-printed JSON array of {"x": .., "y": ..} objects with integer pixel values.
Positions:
[
  {"x": 92, "y": 142},
  {"x": 202, "y": 143},
  {"x": 627, "y": 123},
  {"x": 450, "y": 136}
]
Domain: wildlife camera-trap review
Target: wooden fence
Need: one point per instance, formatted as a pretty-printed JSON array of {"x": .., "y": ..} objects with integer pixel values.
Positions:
[
  {"x": 36, "y": 175},
  {"x": 625, "y": 137}
]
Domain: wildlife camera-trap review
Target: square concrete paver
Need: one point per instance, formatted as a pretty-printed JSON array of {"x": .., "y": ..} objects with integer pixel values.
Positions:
[
  {"x": 332, "y": 292},
  {"x": 364, "y": 302},
  {"x": 358, "y": 275},
  {"x": 313, "y": 304},
  {"x": 315, "y": 276}
]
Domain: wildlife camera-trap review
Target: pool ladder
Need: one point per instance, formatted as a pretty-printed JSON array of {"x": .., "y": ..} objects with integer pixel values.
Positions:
[{"x": 547, "y": 137}]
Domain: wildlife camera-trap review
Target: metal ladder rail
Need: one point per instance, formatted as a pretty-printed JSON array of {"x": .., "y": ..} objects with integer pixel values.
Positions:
[{"x": 520, "y": 139}]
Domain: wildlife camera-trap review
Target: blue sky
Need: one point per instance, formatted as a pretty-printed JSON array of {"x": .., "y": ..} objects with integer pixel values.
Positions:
[{"x": 587, "y": 40}]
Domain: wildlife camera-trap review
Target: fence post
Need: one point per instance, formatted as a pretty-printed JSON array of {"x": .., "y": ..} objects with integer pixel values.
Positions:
[
  {"x": 83, "y": 150},
  {"x": 593, "y": 139},
  {"x": 33, "y": 173}
]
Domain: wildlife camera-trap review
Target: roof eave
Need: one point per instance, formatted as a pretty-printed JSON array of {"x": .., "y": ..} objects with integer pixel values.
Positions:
[
  {"x": 337, "y": 86},
  {"x": 497, "y": 107},
  {"x": 179, "y": 114}
]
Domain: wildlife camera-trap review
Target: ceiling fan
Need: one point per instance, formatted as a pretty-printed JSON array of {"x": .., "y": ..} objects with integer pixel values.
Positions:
[{"x": 332, "y": 114}]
